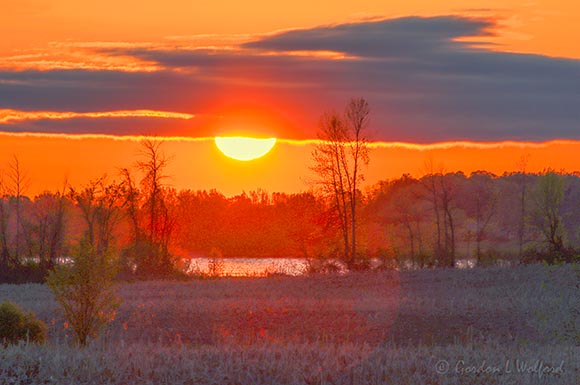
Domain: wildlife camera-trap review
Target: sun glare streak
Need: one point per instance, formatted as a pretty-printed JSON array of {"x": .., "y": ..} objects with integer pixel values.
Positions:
[
  {"x": 318, "y": 54},
  {"x": 244, "y": 148}
]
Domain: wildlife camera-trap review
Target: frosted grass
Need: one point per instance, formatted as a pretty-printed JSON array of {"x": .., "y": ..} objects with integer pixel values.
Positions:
[{"x": 480, "y": 326}]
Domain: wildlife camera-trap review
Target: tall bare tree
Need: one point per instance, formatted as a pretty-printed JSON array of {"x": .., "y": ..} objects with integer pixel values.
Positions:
[
  {"x": 357, "y": 116},
  {"x": 19, "y": 183},
  {"x": 153, "y": 167},
  {"x": 339, "y": 158},
  {"x": 159, "y": 218}
]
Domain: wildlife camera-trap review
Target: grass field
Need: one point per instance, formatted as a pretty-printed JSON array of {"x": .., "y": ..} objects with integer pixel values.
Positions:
[{"x": 480, "y": 326}]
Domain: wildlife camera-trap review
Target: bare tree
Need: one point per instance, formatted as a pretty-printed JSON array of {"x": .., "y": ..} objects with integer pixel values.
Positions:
[
  {"x": 153, "y": 168},
  {"x": 434, "y": 195},
  {"x": 357, "y": 121},
  {"x": 19, "y": 183},
  {"x": 328, "y": 165},
  {"x": 432, "y": 187},
  {"x": 160, "y": 218},
  {"x": 447, "y": 196},
  {"x": 522, "y": 183},
  {"x": 339, "y": 157}
]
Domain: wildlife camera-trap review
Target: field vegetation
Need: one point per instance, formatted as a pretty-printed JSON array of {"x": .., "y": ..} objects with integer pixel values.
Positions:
[{"x": 446, "y": 326}]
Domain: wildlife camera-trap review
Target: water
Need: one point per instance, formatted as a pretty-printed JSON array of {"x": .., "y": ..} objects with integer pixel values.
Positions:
[
  {"x": 258, "y": 267},
  {"x": 238, "y": 267}
]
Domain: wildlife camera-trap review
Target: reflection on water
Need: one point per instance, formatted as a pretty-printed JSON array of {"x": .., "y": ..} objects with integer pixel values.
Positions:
[
  {"x": 465, "y": 263},
  {"x": 242, "y": 267}
]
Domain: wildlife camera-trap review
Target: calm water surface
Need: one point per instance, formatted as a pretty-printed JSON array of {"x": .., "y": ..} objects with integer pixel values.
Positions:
[
  {"x": 239, "y": 267},
  {"x": 251, "y": 266}
]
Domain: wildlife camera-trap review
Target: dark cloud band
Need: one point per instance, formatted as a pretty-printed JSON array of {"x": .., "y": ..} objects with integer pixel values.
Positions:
[{"x": 423, "y": 83}]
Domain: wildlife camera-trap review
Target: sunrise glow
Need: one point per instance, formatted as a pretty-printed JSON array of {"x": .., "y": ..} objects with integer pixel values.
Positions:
[
  {"x": 244, "y": 148},
  {"x": 293, "y": 192}
]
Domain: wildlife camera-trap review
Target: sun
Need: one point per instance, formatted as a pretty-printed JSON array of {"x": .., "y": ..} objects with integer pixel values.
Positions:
[{"x": 244, "y": 148}]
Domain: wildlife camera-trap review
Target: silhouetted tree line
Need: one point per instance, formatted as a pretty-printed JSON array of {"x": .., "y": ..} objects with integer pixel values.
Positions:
[
  {"x": 445, "y": 218},
  {"x": 135, "y": 219},
  {"x": 438, "y": 220}
]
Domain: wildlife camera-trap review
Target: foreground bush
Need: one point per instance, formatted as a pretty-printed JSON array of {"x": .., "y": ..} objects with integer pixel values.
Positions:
[
  {"x": 15, "y": 325},
  {"x": 85, "y": 291}
]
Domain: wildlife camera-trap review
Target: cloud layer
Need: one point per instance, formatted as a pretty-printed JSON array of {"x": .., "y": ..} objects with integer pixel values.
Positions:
[{"x": 426, "y": 79}]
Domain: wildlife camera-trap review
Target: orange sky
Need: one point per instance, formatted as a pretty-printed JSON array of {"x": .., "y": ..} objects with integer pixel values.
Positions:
[
  {"x": 542, "y": 26},
  {"x": 53, "y": 46},
  {"x": 198, "y": 164}
]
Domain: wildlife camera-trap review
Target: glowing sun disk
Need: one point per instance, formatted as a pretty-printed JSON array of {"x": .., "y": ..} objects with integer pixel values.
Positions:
[{"x": 244, "y": 148}]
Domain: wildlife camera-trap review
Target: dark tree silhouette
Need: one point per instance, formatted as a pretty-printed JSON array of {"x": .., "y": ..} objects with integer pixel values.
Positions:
[
  {"x": 339, "y": 158},
  {"x": 101, "y": 205},
  {"x": 159, "y": 222}
]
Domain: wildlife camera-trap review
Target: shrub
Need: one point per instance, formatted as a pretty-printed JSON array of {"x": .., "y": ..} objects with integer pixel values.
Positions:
[
  {"x": 359, "y": 263},
  {"x": 323, "y": 265},
  {"x": 85, "y": 291},
  {"x": 22, "y": 273},
  {"x": 566, "y": 255},
  {"x": 15, "y": 325}
]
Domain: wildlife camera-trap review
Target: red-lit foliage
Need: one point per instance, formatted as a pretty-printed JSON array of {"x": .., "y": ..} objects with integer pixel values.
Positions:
[{"x": 255, "y": 225}]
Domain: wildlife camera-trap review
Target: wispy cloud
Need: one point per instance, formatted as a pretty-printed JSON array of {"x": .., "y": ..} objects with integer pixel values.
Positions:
[
  {"x": 12, "y": 116},
  {"x": 85, "y": 55},
  {"x": 123, "y": 138}
]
